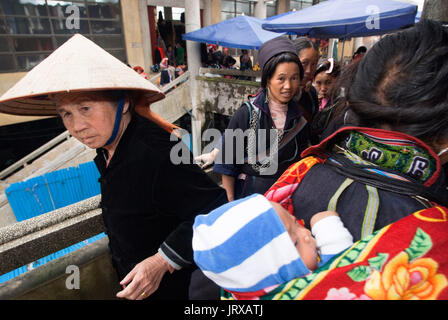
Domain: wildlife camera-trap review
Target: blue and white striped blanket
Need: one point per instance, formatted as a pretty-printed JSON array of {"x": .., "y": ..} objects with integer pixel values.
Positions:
[{"x": 243, "y": 246}]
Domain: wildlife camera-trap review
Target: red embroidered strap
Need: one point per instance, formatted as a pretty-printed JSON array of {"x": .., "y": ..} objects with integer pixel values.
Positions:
[{"x": 282, "y": 190}]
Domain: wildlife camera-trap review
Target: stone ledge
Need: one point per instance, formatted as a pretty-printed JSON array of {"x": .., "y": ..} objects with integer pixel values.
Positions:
[
  {"x": 29, "y": 240},
  {"x": 23, "y": 228},
  {"x": 48, "y": 281}
]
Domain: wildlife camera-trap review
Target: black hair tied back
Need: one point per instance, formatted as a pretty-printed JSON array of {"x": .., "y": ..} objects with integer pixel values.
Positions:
[{"x": 402, "y": 82}]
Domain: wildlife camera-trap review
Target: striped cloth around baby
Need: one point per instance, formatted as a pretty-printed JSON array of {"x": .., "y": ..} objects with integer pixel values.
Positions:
[{"x": 243, "y": 246}]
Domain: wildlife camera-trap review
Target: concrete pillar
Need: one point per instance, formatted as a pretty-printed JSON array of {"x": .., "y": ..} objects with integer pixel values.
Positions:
[
  {"x": 168, "y": 14},
  {"x": 207, "y": 16},
  {"x": 216, "y": 11},
  {"x": 331, "y": 43},
  {"x": 146, "y": 37},
  {"x": 283, "y": 6},
  {"x": 260, "y": 9},
  {"x": 192, "y": 23},
  {"x": 357, "y": 42},
  {"x": 260, "y": 12},
  {"x": 133, "y": 32}
]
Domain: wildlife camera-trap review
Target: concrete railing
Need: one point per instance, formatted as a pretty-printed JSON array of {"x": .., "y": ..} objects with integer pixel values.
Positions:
[
  {"x": 96, "y": 277},
  {"x": 175, "y": 82},
  {"x": 231, "y": 72},
  {"x": 26, "y": 241}
]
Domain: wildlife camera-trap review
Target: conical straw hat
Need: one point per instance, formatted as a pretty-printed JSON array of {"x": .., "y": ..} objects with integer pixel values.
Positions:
[{"x": 78, "y": 65}]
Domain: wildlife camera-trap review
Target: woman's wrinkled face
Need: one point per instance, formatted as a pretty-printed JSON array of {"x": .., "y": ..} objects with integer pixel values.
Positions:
[
  {"x": 309, "y": 58},
  {"x": 301, "y": 237},
  {"x": 88, "y": 118},
  {"x": 323, "y": 82},
  {"x": 284, "y": 83}
]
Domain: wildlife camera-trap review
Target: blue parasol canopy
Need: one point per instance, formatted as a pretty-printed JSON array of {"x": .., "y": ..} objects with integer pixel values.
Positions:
[
  {"x": 242, "y": 32},
  {"x": 346, "y": 19}
]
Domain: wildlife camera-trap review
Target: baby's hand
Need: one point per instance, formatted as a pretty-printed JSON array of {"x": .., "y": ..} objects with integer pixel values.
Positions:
[{"x": 319, "y": 216}]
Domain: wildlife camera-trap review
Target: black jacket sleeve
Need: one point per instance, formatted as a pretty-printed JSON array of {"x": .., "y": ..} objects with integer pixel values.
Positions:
[
  {"x": 229, "y": 144},
  {"x": 184, "y": 191}
]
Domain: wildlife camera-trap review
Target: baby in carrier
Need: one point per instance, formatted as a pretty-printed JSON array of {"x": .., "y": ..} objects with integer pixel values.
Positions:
[{"x": 250, "y": 246}]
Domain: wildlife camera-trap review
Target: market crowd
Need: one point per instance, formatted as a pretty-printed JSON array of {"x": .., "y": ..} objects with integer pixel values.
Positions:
[{"x": 358, "y": 147}]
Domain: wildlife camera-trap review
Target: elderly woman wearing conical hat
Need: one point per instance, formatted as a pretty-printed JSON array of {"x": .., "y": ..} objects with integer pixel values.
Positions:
[{"x": 148, "y": 203}]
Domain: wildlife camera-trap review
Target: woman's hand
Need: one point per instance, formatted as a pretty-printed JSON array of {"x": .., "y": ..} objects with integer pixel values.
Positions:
[{"x": 145, "y": 278}]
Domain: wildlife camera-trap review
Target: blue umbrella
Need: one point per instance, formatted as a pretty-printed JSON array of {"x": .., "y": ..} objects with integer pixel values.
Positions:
[
  {"x": 242, "y": 32},
  {"x": 280, "y": 15},
  {"x": 346, "y": 18}
]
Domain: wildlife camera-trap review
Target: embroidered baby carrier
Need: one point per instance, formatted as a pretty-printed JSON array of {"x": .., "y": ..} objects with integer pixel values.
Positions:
[
  {"x": 367, "y": 269},
  {"x": 405, "y": 260},
  {"x": 377, "y": 159}
]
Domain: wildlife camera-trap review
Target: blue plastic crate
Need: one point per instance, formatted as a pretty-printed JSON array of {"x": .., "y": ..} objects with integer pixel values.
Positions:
[
  {"x": 48, "y": 192},
  {"x": 53, "y": 190}
]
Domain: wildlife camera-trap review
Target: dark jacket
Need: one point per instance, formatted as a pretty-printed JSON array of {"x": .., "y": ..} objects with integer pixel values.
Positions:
[
  {"x": 310, "y": 103},
  {"x": 397, "y": 198},
  {"x": 149, "y": 203},
  {"x": 287, "y": 155}
]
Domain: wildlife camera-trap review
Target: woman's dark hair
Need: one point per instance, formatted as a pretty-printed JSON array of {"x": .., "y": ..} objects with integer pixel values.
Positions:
[
  {"x": 361, "y": 49},
  {"x": 304, "y": 43},
  {"x": 402, "y": 83},
  {"x": 335, "y": 114},
  {"x": 269, "y": 68}
]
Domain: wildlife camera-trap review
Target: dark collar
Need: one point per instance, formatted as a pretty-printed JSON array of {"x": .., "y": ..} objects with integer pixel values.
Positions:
[{"x": 123, "y": 145}]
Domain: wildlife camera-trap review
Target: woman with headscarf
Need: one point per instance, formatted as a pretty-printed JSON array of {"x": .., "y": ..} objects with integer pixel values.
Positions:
[
  {"x": 307, "y": 98},
  {"x": 148, "y": 203},
  {"x": 271, "y": 118}
]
